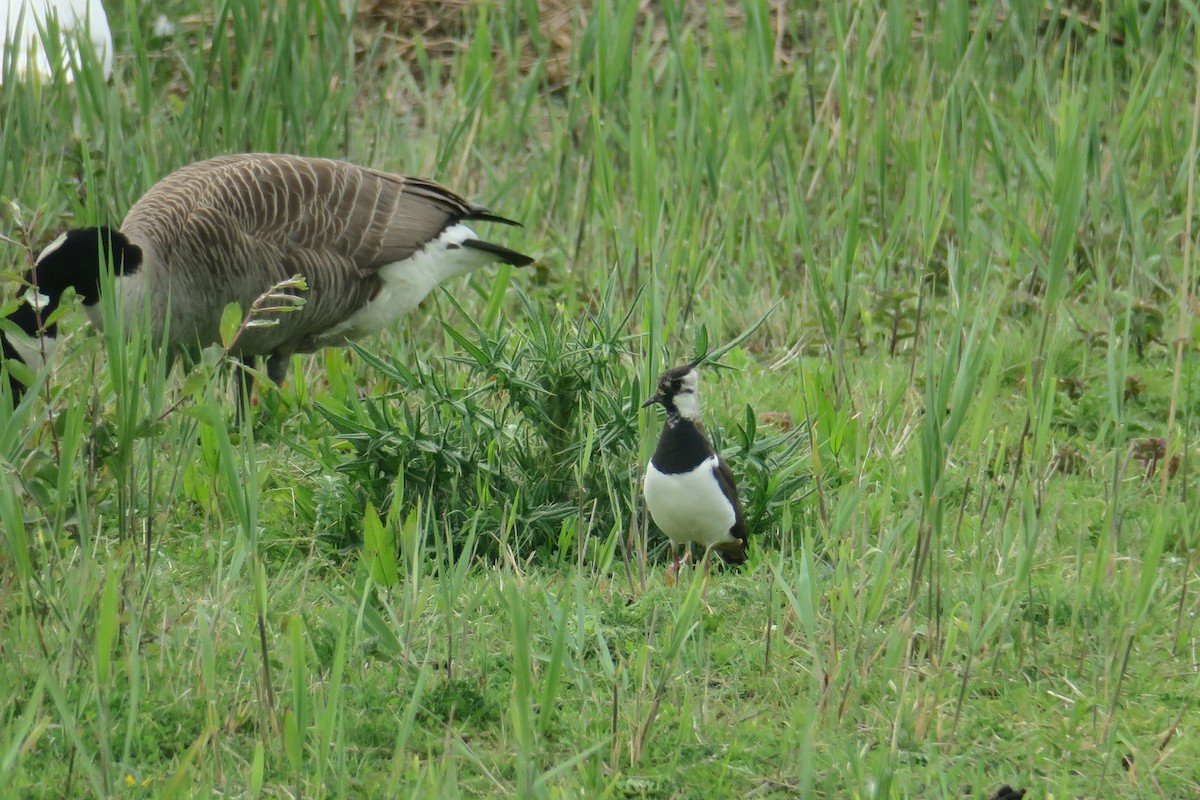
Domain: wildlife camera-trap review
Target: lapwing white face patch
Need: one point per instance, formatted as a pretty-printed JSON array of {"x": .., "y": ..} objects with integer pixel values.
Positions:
[
  {"x": 687, "y": 399},
  {"x": 50, "y": 248}
]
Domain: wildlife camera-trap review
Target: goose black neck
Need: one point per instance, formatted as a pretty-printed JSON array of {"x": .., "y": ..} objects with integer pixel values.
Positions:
[{"x": 79, "y": 260}]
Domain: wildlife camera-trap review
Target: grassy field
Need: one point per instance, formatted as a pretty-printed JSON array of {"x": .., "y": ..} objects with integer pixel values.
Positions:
[{"x": 947, "y": 254}]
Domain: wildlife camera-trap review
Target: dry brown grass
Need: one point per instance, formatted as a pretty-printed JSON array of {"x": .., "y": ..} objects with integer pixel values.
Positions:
[{"x": 442, "y": 26}]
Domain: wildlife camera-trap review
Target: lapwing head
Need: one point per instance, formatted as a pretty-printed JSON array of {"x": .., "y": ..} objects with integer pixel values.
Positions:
[{"x": 679, "y": 391}]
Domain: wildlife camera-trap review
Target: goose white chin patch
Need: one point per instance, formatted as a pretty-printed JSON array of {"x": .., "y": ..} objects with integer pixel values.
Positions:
[{"x": 50, "y": 248}]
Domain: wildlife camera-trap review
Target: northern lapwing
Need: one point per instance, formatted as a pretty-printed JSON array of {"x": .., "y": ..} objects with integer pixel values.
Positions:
[{"x": 689, "y": 488}]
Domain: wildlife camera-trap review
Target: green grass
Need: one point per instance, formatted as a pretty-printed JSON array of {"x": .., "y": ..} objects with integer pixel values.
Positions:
[{"x": 427, "y": 571}]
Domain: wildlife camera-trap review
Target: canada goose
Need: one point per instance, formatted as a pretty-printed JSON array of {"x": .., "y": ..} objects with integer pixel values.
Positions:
[
  {"x": 689, "y": 488},
  {"x": 27, "y": 22},
  {"x": 370, "y": 244}
]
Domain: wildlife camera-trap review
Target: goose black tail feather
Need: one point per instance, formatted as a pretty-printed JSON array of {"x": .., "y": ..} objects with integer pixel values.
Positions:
[
  {"x": 501, "y": 253},
  {"x": 483, "y": 215}
]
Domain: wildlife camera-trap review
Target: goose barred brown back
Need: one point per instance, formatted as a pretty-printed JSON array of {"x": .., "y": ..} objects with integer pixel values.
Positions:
[{"x": 370, "y": 245}]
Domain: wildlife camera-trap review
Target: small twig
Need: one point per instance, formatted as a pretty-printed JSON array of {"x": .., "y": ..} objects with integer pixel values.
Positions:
[{"x": 275, "y": 300}]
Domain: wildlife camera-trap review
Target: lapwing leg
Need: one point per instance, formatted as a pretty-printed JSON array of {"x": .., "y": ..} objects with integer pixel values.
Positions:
[{"x": 673, "y": 572}]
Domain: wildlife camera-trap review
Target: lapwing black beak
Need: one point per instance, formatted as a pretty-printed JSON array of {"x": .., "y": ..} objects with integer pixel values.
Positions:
[
  {"x": 658, "y": 398},
  {"x": 697, "y": 362}
]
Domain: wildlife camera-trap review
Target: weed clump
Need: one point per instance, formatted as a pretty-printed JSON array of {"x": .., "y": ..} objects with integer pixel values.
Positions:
[{"x": 533, "y": 437}]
